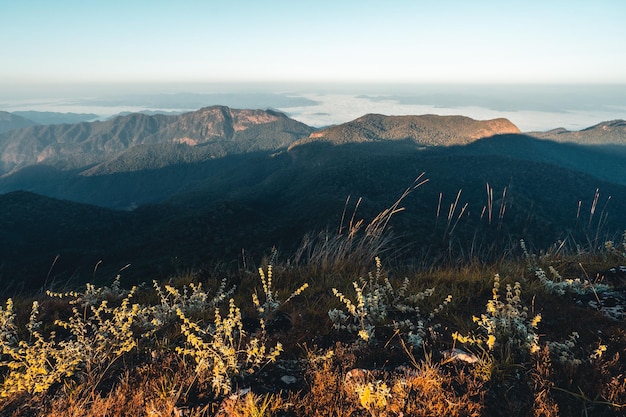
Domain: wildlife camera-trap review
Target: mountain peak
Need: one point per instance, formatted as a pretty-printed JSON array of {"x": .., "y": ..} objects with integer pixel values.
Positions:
[
  {"x": 222, "y": 121},
  {"x": 426, "y": 130}
]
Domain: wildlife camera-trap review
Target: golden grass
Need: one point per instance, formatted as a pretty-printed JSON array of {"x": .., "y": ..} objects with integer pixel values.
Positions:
[{"x": 336, "y": 374}]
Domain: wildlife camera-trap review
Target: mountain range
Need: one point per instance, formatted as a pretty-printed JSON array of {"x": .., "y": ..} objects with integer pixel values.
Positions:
[
  {"x": 162, "y": 192},
  {"x": 10, "y": 121},
  {"x": 217, "y": 131}
]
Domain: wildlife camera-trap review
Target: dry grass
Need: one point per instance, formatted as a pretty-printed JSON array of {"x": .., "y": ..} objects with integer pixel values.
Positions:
[
  {"x": 342, "y": 376},
  {"x": 355, "y": 243}
]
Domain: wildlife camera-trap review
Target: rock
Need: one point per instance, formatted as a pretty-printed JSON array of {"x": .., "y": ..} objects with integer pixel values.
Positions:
[
  {"x": 461, "y": 355},
  {"x": 288, "y": 379}
]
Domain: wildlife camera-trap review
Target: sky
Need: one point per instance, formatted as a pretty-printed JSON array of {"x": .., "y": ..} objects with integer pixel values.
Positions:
[
  {"x": 541, "y": 63},
  {"x": 187, "y": 41}
]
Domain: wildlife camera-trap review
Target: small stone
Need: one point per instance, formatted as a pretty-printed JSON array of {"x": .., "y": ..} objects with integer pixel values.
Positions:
[
  {"x": 288, "y": 379},
  {"x": 461, "y": 355}
]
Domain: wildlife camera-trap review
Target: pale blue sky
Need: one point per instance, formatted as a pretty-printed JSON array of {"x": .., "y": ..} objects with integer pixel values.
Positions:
[{"x": 445, "y": 41}]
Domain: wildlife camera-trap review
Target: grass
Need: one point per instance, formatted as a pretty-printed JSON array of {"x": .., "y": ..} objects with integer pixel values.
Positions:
[{"x": 334, "y": 330}]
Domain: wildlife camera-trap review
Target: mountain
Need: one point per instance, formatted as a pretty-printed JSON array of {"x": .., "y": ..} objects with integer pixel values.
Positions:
[
  {"x": 252, "y": 202},
  {"x": 55, "y": 118},
  {"x": 220, "y": 130},
  {"x": 426, "y": 130},
  {"x": 611, "y": 132},
  {"x": 203, "y": 186},
  {"x": 10, "y": 121},
  {"x": 141, "y": 159}
]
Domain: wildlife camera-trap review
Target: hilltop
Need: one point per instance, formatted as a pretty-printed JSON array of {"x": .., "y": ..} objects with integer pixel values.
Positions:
[
  {"x": 427, "y": 130},
  {"x": 54, "y": 118}
]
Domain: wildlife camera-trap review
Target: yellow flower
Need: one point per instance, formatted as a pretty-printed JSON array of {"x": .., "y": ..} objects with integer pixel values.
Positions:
[
  {"x": 535, "y": 321},
  {"x": 460, "y": 338},
  {"x": 364, "y": 335}
]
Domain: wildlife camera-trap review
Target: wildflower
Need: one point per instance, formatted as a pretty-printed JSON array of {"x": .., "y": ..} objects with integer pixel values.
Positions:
[
  {"x": 597, "y": 354},
  {"x": 535, "y": 321},
  {"x": 364, "y": 335}
]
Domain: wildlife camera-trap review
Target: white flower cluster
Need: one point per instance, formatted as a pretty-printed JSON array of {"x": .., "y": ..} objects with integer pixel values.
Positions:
[
  {"x": 559, "y": 285},
  {"x": 505, "y": 324},
  {"x": 378, "y": 303},
  {"x": 618, "y": 249},
  {"x": 563, "y": 351},
  {"x": 192, "y": 299}
]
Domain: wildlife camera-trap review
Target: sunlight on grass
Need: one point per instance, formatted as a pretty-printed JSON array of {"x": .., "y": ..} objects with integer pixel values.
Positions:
[{"x": 474, "y": 339}]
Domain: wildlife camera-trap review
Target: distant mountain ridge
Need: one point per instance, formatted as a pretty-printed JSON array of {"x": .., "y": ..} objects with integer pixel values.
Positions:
[
  {"x": 10, "y": 121},
  {"x": 221, "y": 129},
  {"x": 55, "y": 118},
  {"x": 426, "y": 130},
  {"x": 609, "y": 132}
]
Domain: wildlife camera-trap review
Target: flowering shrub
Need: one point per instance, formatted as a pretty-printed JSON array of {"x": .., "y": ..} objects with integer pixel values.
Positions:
[
  {"x": 558, "y": 285},
  {"x": 617, "y": 249},
  {"x": 271, "y": 301},
  {"x": 373, "y": 396},
  {"x": 377, "y": 303},
  {"x": 505, "y": 324},
  {"x": 36, "y": 364},
  {"x": 104, "y": 324},
  {"x": 563, "y": 351},
  {"x": 96, "y": 337},
  {"x": 223, "y": 351},
  {"x": 191, "y": 300}
]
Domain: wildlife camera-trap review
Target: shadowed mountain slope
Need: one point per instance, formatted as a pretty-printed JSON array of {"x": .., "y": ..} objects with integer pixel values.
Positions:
[
  {"x": 256, "y": 201},
  {"x": 35, "y": 229},
  {"x": 605, "y": 162}
]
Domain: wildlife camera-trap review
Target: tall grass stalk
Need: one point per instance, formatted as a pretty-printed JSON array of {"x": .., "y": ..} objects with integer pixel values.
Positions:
[{"x": 356, "y": 243}]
